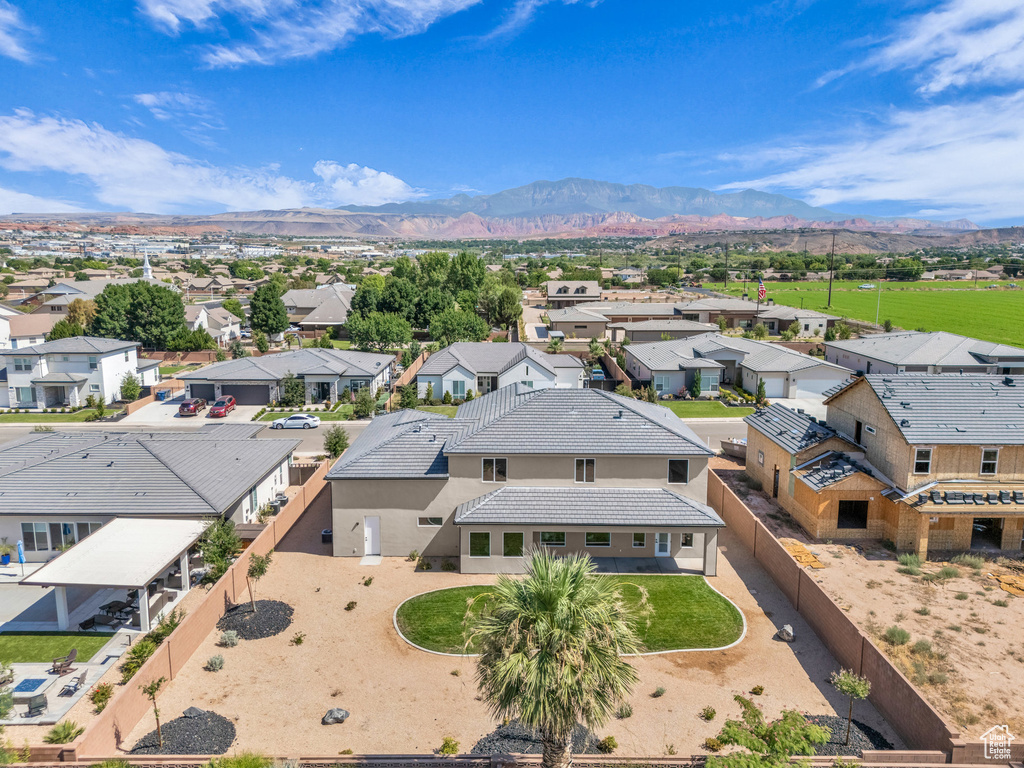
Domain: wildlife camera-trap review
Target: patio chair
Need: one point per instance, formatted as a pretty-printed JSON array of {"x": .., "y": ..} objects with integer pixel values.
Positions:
[
  {"x": 62, "y": 665},
  {"x": 36, "y": 705},
  {"x": 72, "y": 688},
  {"x": 87, "y": 624}
]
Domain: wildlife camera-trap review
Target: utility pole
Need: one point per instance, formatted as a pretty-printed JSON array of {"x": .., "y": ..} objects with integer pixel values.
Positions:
[
  {"x": 831, "y": 269},
  {"x": 726, "y": 263}
]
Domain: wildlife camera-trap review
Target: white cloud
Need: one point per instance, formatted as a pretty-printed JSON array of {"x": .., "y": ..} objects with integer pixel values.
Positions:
[
  {"x": 12, "y": 28},
  {"x": 166, "y": 105},
  {"x": 139, "y": 175},
  {"x": 293, "y": 29},
  {"x": 523, "y": 12},
  {"x": 964, "y": 160},
  {"x": 355, "y": 185},
  {"x": 20, "y": 202}
]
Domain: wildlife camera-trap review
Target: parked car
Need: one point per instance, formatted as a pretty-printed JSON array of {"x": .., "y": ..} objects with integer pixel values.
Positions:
[
  {"x": 297, "y": 421},
  {"x": 245, "y": 333},
  {"x": 192, "y": 407},
  {"x": 866, "y": 286},
  {"x": 223, "y": 406}
]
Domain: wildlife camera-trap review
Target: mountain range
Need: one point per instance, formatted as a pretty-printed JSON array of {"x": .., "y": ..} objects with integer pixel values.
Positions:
[{"x": 567, "y": 208}]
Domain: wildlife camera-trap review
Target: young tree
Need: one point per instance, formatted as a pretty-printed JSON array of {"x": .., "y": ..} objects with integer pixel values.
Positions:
[
  {"x": 854, "y": 687},
  {"x": 260, "y": 341},
  {"x": 151, "y": 690},
  {"x": 238, "y": 351},
  {"x": 760, "y": 331},
  {"x": 843, "y": 331},
  {"x": 830, "y": 334},
  {"x": 409, "y": 398},
  {"x": 258, "y": 566},
  {"x": 722, "y": 323},
  {"x": 324, "y": 342},
  {"x": 131, "y": 388},
  {"x": 555, "y": 345},
  {"x": 293, "y": 391},
  {"x": 454, "y": 325},
  {"x": 335, "y": 441},
  {"x": 430, "y": 392},
  {"x": 696, "y": 384},
  {"x": 624, "y": 390},
  {"x": 768, "y": 745},
  {"x": 762, "y": 394},
  {"x": 551, "y": 646},
  {"x": 364, "y": 405},
  {"x": 268, "y": 312},
  {"x": 220, "y": 544},
  {"x": 596, "y": 349},
  {"x": 887, "y": 325},
  {"x": 64, "y": 329}
]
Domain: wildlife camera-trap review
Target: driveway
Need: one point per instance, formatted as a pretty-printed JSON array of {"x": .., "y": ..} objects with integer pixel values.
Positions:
[
  {"x": 810, "y": 406},
  {"x": 161, "y": 414}
]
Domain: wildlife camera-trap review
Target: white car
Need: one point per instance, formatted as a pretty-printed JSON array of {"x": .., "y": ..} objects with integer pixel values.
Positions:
[
  {"x": 866, "y": 286},
  {"x": 297, "y": 421}
]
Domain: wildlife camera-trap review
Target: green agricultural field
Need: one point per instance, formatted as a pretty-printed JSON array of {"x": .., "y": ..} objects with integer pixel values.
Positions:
[{"x": 956, "y": 307}]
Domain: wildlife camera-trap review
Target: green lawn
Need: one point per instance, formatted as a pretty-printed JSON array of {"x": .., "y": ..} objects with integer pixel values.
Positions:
[
  {"x": 35, "y": 417},
  {"x": 170, "y": 370},
  {"x": 40, "y": 647},
  {"x": 340, "y": 414},
  {"x": 447, "y": 410},
  {"x": 705, "y": 409},
  {"x": 935, "y": 306},
  {"x": 687, "y": 614}
]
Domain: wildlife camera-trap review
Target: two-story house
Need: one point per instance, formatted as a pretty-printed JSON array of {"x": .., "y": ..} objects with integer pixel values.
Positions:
[
  {"x": 569, "y": 293},
  {"x": 927, "y": 461},
  {"x": 482, "y": 367},
  {"x": 221, "y": 324},
  {"x": 576, "y": 470},
  {"x": 65, "y": 372}
]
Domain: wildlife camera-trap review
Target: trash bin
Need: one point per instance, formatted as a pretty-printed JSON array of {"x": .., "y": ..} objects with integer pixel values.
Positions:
[
  {"x": 327, "y": 536},
  {"x": 161, "y": 394}
]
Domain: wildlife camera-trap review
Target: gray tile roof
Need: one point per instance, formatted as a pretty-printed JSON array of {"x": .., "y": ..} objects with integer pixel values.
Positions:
[
  {"x": 301, "y": 362},
  {"x": 314, "y": 297},
  {"x": 578, "y": 314},
  {"x": 135, "y": 474},
  {"x": 485, "y": 357},
  {"x": 956, "y": 409},
  {"x": 592, "y": 288},
  {"x": 787, "y": 428},
  {"x": 668, "y": 324},
  {"x": 936, "y": 348},
  {"x": 779, "y": 359},
  {"x": 574, "y": 505},
  {"x": 403, "y": 444},
  {"x": 82, "y": 345},
  {"x": 517, "y": 419},
  {"x": 649, "y": 308},
  {"x": 832, "y": 468},
  {"x": 57, "y": 377}
]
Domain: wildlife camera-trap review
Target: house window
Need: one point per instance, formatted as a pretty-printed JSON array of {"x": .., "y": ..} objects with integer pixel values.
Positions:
[
  {"x": 760, "y": 458},
  {"x": 495, "y": 470},
  {"x": 429, "y": 522},
  {"x": 709, "y": 382},
  {"x": 512, "y": 544},
  {"x": 356, "y": 385},
  {"x": 598, "y": 539},
  {"x": 989, "y": 461},
  {"x": 34, "y": 536},
  {"x": 807, "y": 327},
  {"x": 94, "y": 387},
  {"x": 22, "y": 364},
  {"x": 552, "y": 538},
  {"x": 24, "y": 394},
  {"x": 869, "y": 430},
  {"x": 62, "y": 535},
  {"x": 660, "y": 383},
  {"x": 639, "y": 540},
  {"x": 84, "y": 529},
  {"x": 686, "y": 540},
  {"x": 93, "y": 363},
  {"x": 64, "y": 359},
  {"x": 852, "y": 514},
  {"x": 922, "y": 461},
  {"x": 126, "y": 357},
  {"x": 479, "y": 544},
  {"x": 585, "y": 470},
  {"x": 678, "y": 470},
  {"x": 527, "y": 384},
  {"x": 458, "y": 389}
]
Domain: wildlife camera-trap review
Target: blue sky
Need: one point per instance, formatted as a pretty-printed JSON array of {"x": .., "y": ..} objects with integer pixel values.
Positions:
[{"x": 200, "y": 106}]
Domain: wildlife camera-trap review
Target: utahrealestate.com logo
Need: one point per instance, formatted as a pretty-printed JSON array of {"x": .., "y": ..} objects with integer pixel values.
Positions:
[{"x": 997, "y": 742}]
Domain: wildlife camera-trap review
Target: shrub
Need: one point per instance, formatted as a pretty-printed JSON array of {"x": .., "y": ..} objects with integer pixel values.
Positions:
[
  {"x": 910, "y": 560},
  {"x": 962, "y": 596},
  {"x": 1001, "y": 603},
  {"x": 447, "y": 565},
  {"x": 658, "y": 693},
  {"x": 298, "y": 638},
  {"x": 135, "y": 657},
  {"x": 757, "y": 690},
  {"x": 607, "y": 745},
  {"x": 908, "y": 570},
  {"x": 100, "y": 695},
  {"x": 228, "y": 639},
  {"x": 167, "y": 624},
  {"x": 922, "y": 647},
  {"x": 971, "y": 561},
  {"x": 368, "y": 581},
  {"x": 335, "y": 441},
  {"x": 897, "y": 635},
  {"x": 449, "y": 746},
  {"x": 713, "y": 744},
  {"x": 924, "y": 610},
  {"x": 214, "y": 663},
  {"x": 241, "y": 760},
  {"x": 425, "y": 565},
  {"x": 889, "y": 544},
  {"x": 414, "y": 555},
  {"x": 944, "y": 573},
  {"x": 708, "y": 713},
  {"x": 64, "y": 733},
  {"x": 625, "y": 710},
  {"x": 351, "y": 606}
]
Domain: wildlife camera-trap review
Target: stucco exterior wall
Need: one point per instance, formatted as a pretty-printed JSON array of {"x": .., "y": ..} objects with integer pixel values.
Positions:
[{"x": 573, "y": 330}]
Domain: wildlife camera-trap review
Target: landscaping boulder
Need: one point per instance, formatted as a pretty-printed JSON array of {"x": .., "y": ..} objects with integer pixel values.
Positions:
[
  {"x": 786, "y": 633},
  {"x": 335, "y": 716}
]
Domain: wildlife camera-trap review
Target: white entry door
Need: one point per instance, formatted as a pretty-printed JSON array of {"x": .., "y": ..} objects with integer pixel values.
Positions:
[
  {"x": 371, "y": 535},
  {"x": 661, "y": 544}
]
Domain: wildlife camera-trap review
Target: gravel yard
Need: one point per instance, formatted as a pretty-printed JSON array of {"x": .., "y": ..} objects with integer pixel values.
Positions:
[{"x": 406, "y": 701}]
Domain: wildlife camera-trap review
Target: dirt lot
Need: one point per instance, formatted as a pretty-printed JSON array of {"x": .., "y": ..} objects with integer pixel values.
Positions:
[
  {"x": 974, "y": 670},
  {"x": 405, "y": 701}
]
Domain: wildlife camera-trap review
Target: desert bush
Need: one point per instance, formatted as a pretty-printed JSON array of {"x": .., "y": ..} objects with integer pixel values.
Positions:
[
  {"x": 1001, "y": 603},
  {"x": 909, "y": 559},
  {"x": 447, "y": 565},
  {"x": 970, "y": 561},
  {"x": 712, "y": 744},
  {"x": 64, "y": 733},
  {"x": 944, "y": 573},
  {"x": 658, "y": 692},
  {"x": 351, "y": 606},
  {"x": 757, "y": 690},
  {"x": 100, "y": 695},
  {"x": 708, "y": 713},
  {"x": 414, "y": 555},
  {"x": 298, "y": 638},
  {"x": 625, "y": 710},
  {"x": 897, "y": 635},
  {"x": 228, "y": 639},
  {"x": 922, "y": 647},
  {"x": 449, "y": 746},
  {"x": 425, "y": 565},
  {"x": 214, "y": 663},
  {"x": 924, "y": 610},
  {"x": 961, "y": 596},
  {"x": 135, "y": 657},
  {"x": 607, "y": 745},
  {"x": 241, "y": 760},
  {"x": 368, "y": 581}
]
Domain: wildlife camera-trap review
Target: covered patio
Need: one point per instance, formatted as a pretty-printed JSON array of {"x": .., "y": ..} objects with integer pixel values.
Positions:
[
  {"x": 58, "y": 389},
  {"x": 141, "y": 566}
]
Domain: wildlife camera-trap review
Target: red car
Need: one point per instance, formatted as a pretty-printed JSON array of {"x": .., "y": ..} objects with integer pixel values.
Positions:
[
  {"x": 222, "y": 407},
  {"x": 192, "y": 407}
]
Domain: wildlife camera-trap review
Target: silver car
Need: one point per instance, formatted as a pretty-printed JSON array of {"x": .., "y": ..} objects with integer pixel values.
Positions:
[{"x": 297, "y": 421}]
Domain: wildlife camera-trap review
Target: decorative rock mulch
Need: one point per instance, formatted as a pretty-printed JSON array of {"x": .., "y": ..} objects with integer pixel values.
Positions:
[
  {"x": 272, "y": 617},
  {"x": 516, "y": 738},
  {"x": 862, "y": 736},
  {"x": 196, "y": 732}
]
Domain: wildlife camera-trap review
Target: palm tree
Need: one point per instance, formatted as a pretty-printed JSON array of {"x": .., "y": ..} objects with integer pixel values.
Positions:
[{"x": 550, "y": 647}]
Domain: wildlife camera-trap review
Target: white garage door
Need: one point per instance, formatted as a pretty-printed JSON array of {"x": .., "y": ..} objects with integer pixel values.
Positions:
[
  {"x": 774, "y": 387},
  {"x": 808, "y": 387}
]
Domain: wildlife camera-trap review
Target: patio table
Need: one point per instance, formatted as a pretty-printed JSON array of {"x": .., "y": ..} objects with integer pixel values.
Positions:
[
  {"x": 29, "y": 687},
  {"x": 114, "y": 606}
]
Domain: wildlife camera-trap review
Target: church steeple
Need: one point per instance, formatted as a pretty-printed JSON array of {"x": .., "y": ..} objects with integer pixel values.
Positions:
[{"x": 147, "y": 270}]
